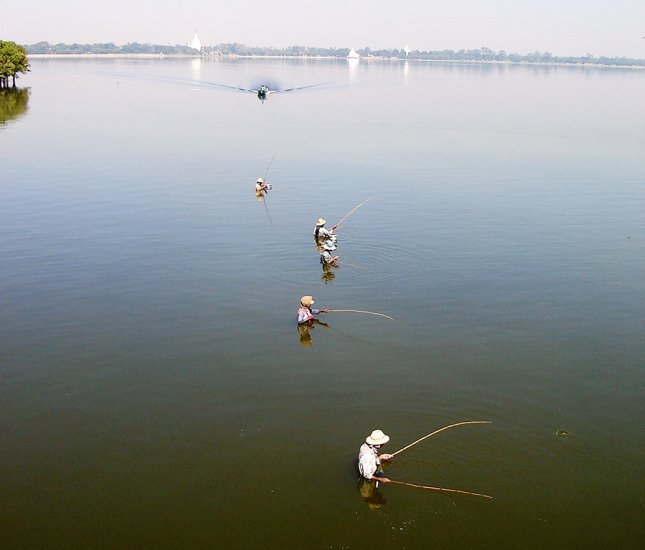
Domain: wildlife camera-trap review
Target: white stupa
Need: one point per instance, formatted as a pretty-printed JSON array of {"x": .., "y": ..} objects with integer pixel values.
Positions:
[
  {"x": 407, "y": 50},
  {"x": 196, "y": 44},
  {"x": 353, "y": 54}
]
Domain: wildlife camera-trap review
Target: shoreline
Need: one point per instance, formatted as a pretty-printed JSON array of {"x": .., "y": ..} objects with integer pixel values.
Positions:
[{"x": 368, "y": 59}]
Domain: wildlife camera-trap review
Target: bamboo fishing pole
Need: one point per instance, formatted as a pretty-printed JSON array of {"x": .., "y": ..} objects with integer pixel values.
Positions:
[
  {"x": 351, "y": 212},
  {"x": 440, "y": 489},
  {"x": 362, "y": 311},
  {"x": 353, "y": 265},
  {"x": 269, "y": 166},
  {"x": 441, "y": 430}
]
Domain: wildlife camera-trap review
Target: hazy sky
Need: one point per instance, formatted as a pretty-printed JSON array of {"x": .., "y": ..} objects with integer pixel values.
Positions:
[{"x": 562, "y": 27}]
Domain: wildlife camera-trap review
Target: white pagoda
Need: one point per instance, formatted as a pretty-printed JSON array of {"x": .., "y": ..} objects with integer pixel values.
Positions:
[{"x": 196, "y": 44}]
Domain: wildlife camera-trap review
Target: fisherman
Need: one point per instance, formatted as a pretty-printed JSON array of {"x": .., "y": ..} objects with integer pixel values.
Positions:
[
  {"x": 369, "y": 461},
  {"x": 325, "y": 256},
  {"x": 306, "y": 312},
  {"x": 261, "y": 186},
  {"x": 320, "y": 232}
]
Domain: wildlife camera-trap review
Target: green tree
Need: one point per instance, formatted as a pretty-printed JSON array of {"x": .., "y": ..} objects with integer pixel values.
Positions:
[{"x": 13, "y": 60}]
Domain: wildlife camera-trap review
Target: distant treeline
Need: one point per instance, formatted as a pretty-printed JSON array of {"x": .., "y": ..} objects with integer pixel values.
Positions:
[{"x": 480, "y": 54}]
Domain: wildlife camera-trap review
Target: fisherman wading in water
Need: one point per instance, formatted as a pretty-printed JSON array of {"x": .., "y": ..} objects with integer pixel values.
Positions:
[
  {"x": 306, "y": 313},
  {"x": 320, "y": 232},
  {"x": 261, "y": 186},
  {"x": 369, "y": 461},
  {"x": 325, "y": 257}
]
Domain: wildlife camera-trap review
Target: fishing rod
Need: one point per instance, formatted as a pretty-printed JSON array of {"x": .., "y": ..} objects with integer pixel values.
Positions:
[
  {"x": 351, "y": 212},
  {"x": 441, "y": 430},
  {"x": 328, "y": 326},
  {"x": 353, "y": 265},
  {"x": 361, "y": 311},
  {"x": 269, "y": 166},
  {"x": 440, "y": 489}
]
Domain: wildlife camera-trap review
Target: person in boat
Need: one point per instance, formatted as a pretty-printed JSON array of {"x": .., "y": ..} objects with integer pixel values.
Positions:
[
  {"x": 369, "y": 461},
  {"x": 306, "y": 314},
  {"x": 321, "y": 232},
  {"x": 261, "y": 186},
  {"x": 263, "y": 92},
  {"x": 326, "y": 259}
]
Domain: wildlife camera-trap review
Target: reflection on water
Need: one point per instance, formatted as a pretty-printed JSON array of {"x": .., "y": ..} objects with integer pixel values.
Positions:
[
  {"x": 14, "y": 103},
  {"x": 368, "y": 489},
  {"x": 328, "y": 272},
  {"x": 352, "y": 65},
  {"x": 196, "y": 68},
  {"x": 305, "y": 331}
]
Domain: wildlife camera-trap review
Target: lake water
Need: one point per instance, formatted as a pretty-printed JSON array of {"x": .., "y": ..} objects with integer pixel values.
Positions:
[{"x": 156, "y": 392}]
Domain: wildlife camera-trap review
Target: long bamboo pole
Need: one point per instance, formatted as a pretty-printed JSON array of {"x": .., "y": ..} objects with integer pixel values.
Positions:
[
  {"x": 441, "y": 430},
  {"x": 269, "y": 166},
  {"x": 362, "y": 311},
  {"x": 352, "y": 211},
  {"x": 440, "y": 489},
  {"x": 353, "y": 265}
]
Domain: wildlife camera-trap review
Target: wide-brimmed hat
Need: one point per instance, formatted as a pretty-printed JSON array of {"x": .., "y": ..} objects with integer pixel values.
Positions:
[
  {"x": 329, "y": 245},
  {"x": 307, "y": 300},
  {"x": 377, "y": 437},
  {"x": 321, "y": 221},
  {"x": 259, "y": 180}
]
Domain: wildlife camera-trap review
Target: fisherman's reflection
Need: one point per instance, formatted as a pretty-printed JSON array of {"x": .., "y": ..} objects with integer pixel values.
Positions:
[
  {"x": 304, "y": 331},
  {"x": 370, "y": 493},
  {"x": 328, "y": 274}
]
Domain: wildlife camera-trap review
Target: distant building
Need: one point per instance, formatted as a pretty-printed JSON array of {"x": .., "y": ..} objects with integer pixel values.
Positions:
[
  {"x": 407, "y": 50},
  {"x": 353, "y": 54},
  {"x": 196, "y": 44}
]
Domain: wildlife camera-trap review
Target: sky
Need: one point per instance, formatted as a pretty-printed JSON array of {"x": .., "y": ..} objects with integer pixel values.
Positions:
[{"x": 613, "y": 28}]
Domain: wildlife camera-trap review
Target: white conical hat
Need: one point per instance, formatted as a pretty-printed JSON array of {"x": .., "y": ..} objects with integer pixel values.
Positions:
[{"x": 377, "y": 437}]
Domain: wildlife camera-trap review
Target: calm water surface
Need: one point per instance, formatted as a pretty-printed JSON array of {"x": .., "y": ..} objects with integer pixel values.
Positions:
[{"x": 156, "y": 392}]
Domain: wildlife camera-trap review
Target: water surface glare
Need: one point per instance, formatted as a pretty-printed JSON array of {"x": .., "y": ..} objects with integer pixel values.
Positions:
[{"x": 155, "y": 389}]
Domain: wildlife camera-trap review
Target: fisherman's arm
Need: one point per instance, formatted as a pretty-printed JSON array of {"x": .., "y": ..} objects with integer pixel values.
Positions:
[{"x": 380, "y": 476}]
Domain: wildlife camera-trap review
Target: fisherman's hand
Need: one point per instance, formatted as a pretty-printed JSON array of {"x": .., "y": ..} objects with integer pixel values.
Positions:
[
  {"x": 324, "y": 310},
  {"x": 385, "y": 456},
  {"x": 383, "y": 479}
]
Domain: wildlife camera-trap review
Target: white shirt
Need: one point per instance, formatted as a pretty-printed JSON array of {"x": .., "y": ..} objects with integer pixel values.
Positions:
[
  {"x": 306, "y": 313},
  {"x": 321, "y": 233},
  {"x": 326, "y": 257},
  {"x": 368, "y": 461}
]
